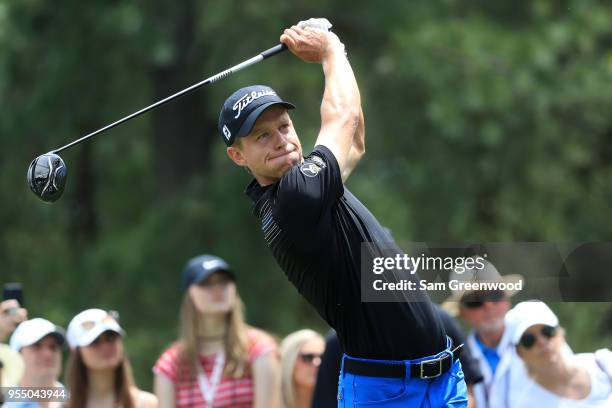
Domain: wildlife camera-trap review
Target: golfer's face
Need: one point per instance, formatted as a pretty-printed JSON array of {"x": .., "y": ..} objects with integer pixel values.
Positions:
[{"x": 272, "y": 147}]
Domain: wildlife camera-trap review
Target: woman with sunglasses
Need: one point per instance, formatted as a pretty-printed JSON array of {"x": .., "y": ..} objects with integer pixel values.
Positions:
[
  {"x": 559, "y": 377},
  {"x": 301, "y": 353},
  {"x": 99, "y": 374},
  {"x": 218, "y": 361}
]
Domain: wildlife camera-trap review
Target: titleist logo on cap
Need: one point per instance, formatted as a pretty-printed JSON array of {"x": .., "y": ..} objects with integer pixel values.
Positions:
[{"x": 248, "y": 98}]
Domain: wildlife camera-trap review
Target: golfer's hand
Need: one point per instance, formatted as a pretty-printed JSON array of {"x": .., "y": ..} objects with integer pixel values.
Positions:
[
  {"x": 311, "y": 45},
  {"x": 11, "y": 314}
]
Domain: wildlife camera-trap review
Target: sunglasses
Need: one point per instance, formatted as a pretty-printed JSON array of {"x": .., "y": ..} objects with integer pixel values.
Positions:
[
  {"x": 476, "y": 300},
  {"x": 309, "y": 358},
  {"x": 529, "y": 339}
]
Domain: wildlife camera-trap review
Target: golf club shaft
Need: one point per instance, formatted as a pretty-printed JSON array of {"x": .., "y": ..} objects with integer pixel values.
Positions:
[{"x": 260, "y": 57}]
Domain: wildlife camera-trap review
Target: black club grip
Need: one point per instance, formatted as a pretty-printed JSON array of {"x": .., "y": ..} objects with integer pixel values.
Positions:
[{"x": 273, "y": 51}]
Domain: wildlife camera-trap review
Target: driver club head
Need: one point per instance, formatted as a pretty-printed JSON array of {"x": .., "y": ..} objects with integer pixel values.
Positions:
[
  {"x": 47, "y": 177},
  {"x": 47, "y": 173}
]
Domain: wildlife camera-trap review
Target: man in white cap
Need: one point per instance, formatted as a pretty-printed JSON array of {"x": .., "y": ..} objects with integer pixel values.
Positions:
[
  {"x": 40, "y": 344},
  {"x": 489, "y": 340}
]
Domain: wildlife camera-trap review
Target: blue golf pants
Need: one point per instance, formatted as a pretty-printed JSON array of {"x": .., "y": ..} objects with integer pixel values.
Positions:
[{"x": 447, "y": 390}]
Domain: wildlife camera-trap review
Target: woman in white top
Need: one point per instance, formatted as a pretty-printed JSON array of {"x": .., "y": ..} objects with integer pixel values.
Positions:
[{"x": 559, "y": 378}]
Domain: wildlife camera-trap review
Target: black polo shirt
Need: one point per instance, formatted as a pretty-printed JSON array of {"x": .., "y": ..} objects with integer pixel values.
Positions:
[{"x": 315, "y": 227}]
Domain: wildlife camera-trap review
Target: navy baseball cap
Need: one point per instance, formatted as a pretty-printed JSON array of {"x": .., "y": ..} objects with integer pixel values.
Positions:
[
  {"x": 243, "y": 107},
  {"x": 201, "y": 267}
]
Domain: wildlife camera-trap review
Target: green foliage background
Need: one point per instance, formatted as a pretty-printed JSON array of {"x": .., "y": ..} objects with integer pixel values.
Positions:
[{"x": 486, "y": 121}]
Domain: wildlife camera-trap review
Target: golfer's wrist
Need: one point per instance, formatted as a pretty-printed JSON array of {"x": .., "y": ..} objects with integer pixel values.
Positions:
[{"x": 334, "y": 53}]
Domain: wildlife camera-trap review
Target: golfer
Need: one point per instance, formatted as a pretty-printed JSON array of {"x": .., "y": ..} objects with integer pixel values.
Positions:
[{"x": 397, "y": 353}]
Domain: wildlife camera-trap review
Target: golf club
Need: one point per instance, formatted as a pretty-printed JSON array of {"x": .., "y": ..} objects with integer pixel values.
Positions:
[{"x": 47, "y": 173}]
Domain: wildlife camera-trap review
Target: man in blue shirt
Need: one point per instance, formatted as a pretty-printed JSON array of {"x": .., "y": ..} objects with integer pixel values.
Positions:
[{"x": 489, "y": 340}]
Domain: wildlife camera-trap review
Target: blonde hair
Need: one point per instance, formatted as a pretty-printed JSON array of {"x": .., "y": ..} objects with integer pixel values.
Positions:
[
  {"x": 235, "y": 337},
  {"x": 289, "y": 350}
]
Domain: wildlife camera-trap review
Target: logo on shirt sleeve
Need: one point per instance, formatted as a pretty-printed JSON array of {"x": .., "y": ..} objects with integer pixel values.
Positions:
[
  {"x": 310, "y": 169},
  {"x": 317, "y": 160}
]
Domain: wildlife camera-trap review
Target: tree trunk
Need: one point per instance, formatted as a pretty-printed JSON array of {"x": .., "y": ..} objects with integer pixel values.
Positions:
[
  {"x": 83, "y": 217},
  {"x": 182, "y": 134}
]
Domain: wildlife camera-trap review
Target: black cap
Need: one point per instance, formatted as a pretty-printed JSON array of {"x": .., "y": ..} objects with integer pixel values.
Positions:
[
  {"x": 243, "y": 107},
  {"x": 201, "y": 267}
]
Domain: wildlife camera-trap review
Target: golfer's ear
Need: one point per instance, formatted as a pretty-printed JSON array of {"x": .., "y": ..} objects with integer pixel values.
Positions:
[{"x": 236, "y": 155}]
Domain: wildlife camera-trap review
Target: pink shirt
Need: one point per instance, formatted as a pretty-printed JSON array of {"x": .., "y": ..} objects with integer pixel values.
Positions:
[{"x": 231, "y": 392}]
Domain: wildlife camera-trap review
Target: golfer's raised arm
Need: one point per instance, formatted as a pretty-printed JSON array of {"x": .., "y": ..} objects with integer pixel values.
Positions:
[
  {"x": 357, "y": 149},
  {"x": 341, "y": 105}
]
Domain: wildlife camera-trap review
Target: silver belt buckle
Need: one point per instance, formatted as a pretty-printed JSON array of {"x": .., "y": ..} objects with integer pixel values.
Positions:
[{"x": 422, "y": 363}]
